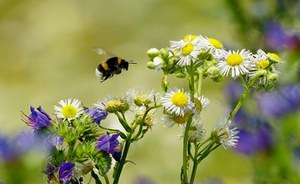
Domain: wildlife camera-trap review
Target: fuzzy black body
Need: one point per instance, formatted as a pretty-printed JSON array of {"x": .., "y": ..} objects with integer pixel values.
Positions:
[{"x": 110, "y": 67}]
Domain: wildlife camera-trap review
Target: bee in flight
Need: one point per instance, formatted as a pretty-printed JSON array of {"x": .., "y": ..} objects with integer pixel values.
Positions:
[{"x": 111, "y": 65}]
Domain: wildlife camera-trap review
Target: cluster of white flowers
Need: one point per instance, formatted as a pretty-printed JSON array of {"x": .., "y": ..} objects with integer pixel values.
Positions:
[
  {"x": 192, "y": 54},
  {"x": 230, "y": 62}
]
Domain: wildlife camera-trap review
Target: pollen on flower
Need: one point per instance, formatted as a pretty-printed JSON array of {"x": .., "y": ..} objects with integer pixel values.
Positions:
[
  {"x": 187, "y": 49},
  {"x": 216, "y": 43},
  {"x": 263, "y": 64},
  {"x": 69, "y": 111},
  {"x": 180, "y": 99},
  {"x": 234, "y": 59},
  {"x": 274, "y": 56}
]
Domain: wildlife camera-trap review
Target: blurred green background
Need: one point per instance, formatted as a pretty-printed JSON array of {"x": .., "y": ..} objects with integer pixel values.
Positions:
[{"x": 47, "y": 55}]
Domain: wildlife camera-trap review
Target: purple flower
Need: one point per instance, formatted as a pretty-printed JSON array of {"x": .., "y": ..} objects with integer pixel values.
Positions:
[
  {"x": 37, "y": 119},
  {"x": 96, "y": 114},
  {"x": 253, "y": 142},
  {"x": 108, "y": 143},
  {"x": 279, "y": 103},
  {"x": 56, "y": 141},
  {"x": 7, "y": 151},
  {"x": 65, "y": 172},
  {"x": 12, "y": 149},
  {"x": 255, "y": 135},
  {"x": 50, "y": 170},
  {"x": 234, "y": 91},
  {"x": 275, "y": 35}
]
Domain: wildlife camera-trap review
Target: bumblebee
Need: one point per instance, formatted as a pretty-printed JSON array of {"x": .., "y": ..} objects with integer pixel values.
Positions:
[{"x": 111, "y": 66}]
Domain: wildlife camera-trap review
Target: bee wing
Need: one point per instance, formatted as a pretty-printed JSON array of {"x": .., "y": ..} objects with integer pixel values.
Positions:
[
  {"x": 104, "y": 55},
  {"x": 100, "y": 51}
]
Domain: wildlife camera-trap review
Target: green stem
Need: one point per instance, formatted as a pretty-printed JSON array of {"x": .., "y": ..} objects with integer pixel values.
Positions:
[
  {"x": 136, "y": 137},
  {"x": 106, "y": 179},
  {"x": 201, "y": 73},
  {"x": 96, "y": 178},
  {"x": 123, "y": 160},
  {"x": 195, "y": 164},
  {"x": 240, "y": 102},
  {"x": 123, "y": 122},
  {"x": 164, "y": 83},
  {"x": 185, "y": 157}
]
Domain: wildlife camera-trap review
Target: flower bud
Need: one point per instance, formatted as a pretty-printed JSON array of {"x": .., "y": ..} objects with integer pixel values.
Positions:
[
  {"x": 272, "y": 77},
  {"x": 213, "y": 71},
  {"x": 150, "y": 65},
  {"x": 158, "y": 63},
  {"x": 172, "y": 60},
  {"x": 116, "y": 105},
  {"x": 153, "y": 52},
  {"x": 180, "y": 75},
  {"x": 217, "y": 78},
  {"x": 164, "y": 53},
  {"x": 261, "y": 73}
]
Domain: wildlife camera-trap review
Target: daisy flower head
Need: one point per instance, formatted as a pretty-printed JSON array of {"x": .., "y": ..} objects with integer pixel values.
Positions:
[
  {"x": 211, "y": 44},
  {"x": 235, "y": 63},
  {"x": 227, "y": 136},
  {"x": 270, "y": 55},
  {"x": 113, "y": 104},
  {"x": 170, "y": 120},
  {"x": 177, "y": 102},
  {"x": 69, "y": 109},
  {"x": 201, "y": 103},
  {"x": 196, "y": 132},
  {"x": 264, "y": 68},
  {"x": 138, "y": 98},
  {"x": 186, "y": 49}
]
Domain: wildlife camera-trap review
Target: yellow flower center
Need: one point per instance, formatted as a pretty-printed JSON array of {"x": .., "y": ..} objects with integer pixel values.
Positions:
[
  {"x": 274, "y": 56},
  {"x": 234, "y": 59},
  {"x": 187, "y": 49},
  {"x": 216, "y": 43},
  {"x": 263, "y": 64},
  {"x": 180, "y": 99},
  {"x": 69, "y": 111},
  {"x": 189, "y": 38}
]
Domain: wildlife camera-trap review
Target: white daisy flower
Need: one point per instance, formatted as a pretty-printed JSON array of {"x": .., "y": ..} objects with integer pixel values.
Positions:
[
  {"x": 113, "y": 104},
  {"x": 69, "y": 109},
  {"x": 138, "y": 98},
  {"x": 227, "y": 136},
  {"x": 211, "y": 44},
  {"x": 170, "y": 120},
  {"x": 196, "y": 132},
  {"x": 186, "y": 49},
  {"x": 201, "y": 103},
  {"x": 271, "y": 56},
  {"x": 235, "y": 63},
  {"x": 262, "y": 67},
  {"x": 177, "y": 102}
]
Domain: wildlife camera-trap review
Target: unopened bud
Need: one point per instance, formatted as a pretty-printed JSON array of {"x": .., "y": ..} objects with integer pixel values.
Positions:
[{"x": 153, "y": 52}]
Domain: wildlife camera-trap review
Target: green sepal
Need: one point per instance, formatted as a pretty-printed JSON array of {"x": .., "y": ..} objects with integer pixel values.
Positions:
[{"x": 103, "y": 162}]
